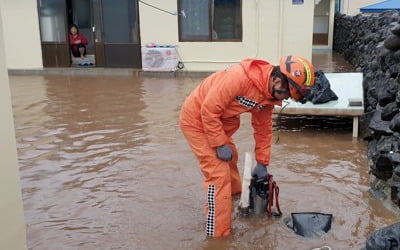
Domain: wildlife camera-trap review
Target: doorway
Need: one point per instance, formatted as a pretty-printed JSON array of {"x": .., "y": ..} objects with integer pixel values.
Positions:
[
  {"x": 321, "y": 22},
  {"x": 79, "y": 13},
  {"x": 121, "y": 33},
  {"x": 53, "y": 33},
  {"x": 110, "y": 26}
]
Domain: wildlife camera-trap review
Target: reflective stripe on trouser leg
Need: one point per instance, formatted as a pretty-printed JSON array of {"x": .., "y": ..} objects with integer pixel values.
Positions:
[
  {"x": 211, "y": 210},
  {"x": 219, "y": 185}
]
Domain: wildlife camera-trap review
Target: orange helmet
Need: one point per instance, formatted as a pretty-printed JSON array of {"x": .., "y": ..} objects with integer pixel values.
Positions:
[{"x": 300, "y": 74}]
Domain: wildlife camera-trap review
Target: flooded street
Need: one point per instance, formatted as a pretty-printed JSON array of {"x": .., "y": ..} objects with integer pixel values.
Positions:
[
  {"x": 104, "y": 166},
  {"x": 331, "y": 62}
]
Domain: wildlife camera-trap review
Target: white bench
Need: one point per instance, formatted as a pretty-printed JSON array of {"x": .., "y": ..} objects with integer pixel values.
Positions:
[{"x": 347, "y": 86}]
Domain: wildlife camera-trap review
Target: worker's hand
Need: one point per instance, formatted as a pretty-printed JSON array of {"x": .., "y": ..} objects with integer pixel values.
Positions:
[
  {"x": 259, "y": 172},
  {"x": 224, "y": 153}
]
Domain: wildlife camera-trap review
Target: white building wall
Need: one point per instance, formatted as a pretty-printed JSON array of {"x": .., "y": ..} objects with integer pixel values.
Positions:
[
  {"x": 352, "y": 7},
  {"x": 12, "y": 229},
  {"x": 21, "y": 34},
  {"x": 297, "y": 28},
  {"x": 270, "y": 29}
]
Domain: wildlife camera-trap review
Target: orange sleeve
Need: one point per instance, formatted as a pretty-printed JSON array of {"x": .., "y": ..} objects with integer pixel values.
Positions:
[
  {"x": 223, "y": 91},
  {"x": 262, "y": 124}
]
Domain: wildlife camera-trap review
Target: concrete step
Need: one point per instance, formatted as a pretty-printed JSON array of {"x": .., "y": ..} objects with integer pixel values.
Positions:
[{"x": 88, "y": 59}]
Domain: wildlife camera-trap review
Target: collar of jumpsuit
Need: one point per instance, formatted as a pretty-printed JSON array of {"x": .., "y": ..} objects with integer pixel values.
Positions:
[{"x": 259, "y": 72}]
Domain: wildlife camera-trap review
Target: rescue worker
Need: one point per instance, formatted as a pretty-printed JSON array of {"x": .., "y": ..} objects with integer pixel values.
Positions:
[{"x": 210, "y": 116}]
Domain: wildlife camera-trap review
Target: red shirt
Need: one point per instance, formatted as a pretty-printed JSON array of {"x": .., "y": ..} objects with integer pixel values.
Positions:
[{"x": 81, "y": 37}]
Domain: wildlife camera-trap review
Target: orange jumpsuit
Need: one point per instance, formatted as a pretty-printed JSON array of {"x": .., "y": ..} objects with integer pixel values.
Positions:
[{"x": 210, "y": 116}]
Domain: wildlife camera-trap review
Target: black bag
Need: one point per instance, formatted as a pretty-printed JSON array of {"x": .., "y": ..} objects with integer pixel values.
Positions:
[
  {"x": 310, "y": 224},
  {"x": 321, "y": 92}
]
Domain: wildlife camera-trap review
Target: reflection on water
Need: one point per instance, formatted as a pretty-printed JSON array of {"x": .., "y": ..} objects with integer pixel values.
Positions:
[
  {"x": 331, "y": 62},
  {"x": 104, "y": 166}
]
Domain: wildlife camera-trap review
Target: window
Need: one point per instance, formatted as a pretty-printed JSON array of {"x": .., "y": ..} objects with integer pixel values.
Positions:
[{"x": 210, "y": 20}]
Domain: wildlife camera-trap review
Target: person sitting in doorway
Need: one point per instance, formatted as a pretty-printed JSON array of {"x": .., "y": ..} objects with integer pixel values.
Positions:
[{"x": 77, "y": 42}]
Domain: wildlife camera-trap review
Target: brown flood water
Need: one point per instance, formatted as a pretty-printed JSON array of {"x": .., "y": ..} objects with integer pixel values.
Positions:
[{"x": 104, "y": 166}]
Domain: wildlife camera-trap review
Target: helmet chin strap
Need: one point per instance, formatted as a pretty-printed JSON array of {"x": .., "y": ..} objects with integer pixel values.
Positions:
[
  {"x": 305, "y": 92},
  {"x": 303, "y": 100}
]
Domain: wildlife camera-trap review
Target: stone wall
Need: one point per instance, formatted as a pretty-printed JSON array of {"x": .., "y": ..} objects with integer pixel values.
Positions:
[{"x": 372, "y": 45}]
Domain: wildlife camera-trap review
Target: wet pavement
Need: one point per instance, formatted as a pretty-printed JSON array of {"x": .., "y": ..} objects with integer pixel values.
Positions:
[
  {"x": 331, "y": 62},
  {"x": 104, "y": 166}
]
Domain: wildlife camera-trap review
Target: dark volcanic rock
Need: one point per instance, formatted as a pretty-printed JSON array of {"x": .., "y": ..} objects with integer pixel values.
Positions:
[
  {"x": 386, "y": 238},
  {"x": 383, "y": 167},
  {"x": 386, "y": 91},
  {"x": 392, "y": 43},
  {"x": 389, "y": 111},
  {"x": 372, "y": 45},
  {"x": 365, "y": 120},
  {"x": 372, "y": 97},
  {"x": 378, "y": 125},
  {"x": 395, "y": 123},
  {"x": 396, "y": 30}
]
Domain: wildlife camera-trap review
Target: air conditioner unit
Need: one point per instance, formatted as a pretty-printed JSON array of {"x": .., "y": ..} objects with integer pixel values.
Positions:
[{"x": 159, "y": 59}]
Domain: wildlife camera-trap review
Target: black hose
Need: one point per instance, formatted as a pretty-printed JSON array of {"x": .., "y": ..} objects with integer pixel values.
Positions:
[{"x": 279, "y": 117}]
